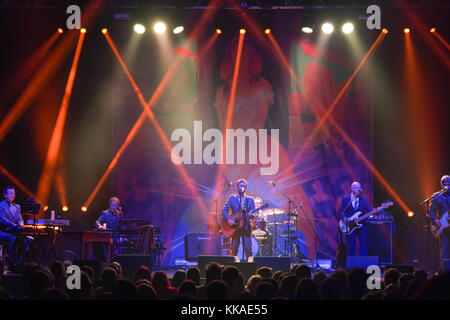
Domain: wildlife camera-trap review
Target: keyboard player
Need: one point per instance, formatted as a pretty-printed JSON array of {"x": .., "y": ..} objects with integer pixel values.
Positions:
[
  {"x": 107, "y": 221},
  {"x": 11, "y": 224}
]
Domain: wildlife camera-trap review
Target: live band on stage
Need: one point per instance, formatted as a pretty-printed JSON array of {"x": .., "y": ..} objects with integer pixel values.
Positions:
[{"x": 247, "y": 225}]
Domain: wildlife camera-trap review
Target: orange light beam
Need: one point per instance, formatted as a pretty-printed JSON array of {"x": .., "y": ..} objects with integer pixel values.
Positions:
[
  {"x": 27, "y": 68},
  {"x": 207, "y": 45},
  {"x": 48, "y": 69},
  {"x": 47, "y": 175},
  {"x": 116, "y": 158},
  {"x": 441, "y": 39},
  {"x": 422, "y": 128},
  {"x": 418, "y": 25},
  {"x": 169, "y": 74},
  {"x": 230, "y": 104},
  {"x": 338, "y": 97},
  {"x": 152, "y": 101},
  {"x": 61, "y": 186},
  {"x": 35, "y": 87},
  {"x": 16, "y": 182}
]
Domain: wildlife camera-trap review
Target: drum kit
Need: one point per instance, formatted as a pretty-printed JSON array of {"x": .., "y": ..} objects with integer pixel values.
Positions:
[{"x": 272, "y": 232}]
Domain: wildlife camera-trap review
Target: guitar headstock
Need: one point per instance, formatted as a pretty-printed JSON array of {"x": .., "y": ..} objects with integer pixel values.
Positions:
[{"x": 385, "y": 205}]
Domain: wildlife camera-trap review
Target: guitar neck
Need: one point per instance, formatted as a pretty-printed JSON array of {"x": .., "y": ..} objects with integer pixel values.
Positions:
[{"x": 366, "y": 215}]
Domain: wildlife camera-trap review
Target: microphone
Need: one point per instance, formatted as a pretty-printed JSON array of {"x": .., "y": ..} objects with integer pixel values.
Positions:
[
  {"x": 273, "y": 183},
  {"x": 229, "y": 184}
]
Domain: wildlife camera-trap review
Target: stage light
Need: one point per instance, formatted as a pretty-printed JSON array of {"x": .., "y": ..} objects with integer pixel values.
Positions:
[
  {"x": 242, "y": 31},
  {"x": 432, "y": 30},
  {"x": 65, "y": 208},
  {"x": 60, "y": 30},
  {"x": 347, "y": 28},
  {"x": 159, "y": 27},
  {"x": 406, "y": 30},
  {"x": 385, "y": 30},
  {"x": 104, "y": 30},
  {"x": 307, "y": 30},
  {"x": 139, "y": 28},
  {"x": 327, "y": 28},
  {"x": 83, "y": 30},
  {"x": 267, "y": 31},
  {"x": 178, "y": 29},
  {"x": 218, "y": 31},
  {"x": 45, "y": 208},
  {"x": 410, "y": 214},
  {"x": 84, "y": 209}
]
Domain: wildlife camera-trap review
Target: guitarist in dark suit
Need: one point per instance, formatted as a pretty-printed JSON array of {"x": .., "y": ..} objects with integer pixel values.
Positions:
[
  {"x": 439, "y": 205},
  {"x": 350, "y": 205},
  {"x": 245, "y": 204}
]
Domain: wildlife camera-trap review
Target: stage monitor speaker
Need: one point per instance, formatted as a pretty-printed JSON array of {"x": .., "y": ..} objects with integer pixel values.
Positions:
[
  {"x": 445, "y": 265},
  {"x": 203, "y": 261},
  {"x": 131, "y": 262},
  {"x": 97, "y": 265},
  {"x": 276, "y": 263},
  {"x": 401, "y": 268},
  {"x": 246, "y": 268},
  {"x": 361, "y": 261},
  {"x": 380, "y": 238},
  {"x": 196, "y": 244}
]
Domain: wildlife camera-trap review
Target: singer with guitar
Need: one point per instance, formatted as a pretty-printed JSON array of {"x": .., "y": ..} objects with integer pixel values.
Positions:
[
  {"x": 439, "y": 214},
  {"x": 241, "y": 207},
  {"x": 351, "y": 204}
]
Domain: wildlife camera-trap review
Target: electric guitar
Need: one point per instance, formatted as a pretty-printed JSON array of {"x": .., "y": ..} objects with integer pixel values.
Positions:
[
  {"x": 238, "y": 219},
  {"x": 444, "y": 220},
  {"x": 354, "y": 221}
]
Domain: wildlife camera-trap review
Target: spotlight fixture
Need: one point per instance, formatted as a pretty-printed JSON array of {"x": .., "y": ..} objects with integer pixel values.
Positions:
[
  {"x": 327, "y": 28},
  {"x": 65, "y": 208},
  {"x": 410, "y": 214},
  {"x": 83, "y": 30},
  {"x": 139, "y": 28},
  {"x": 159, "y": 27},
  {"x": 60, "y": 30},
  {"x": 84, "y": 209},
  {"x": 104, "y": 31},
  {"x": 385, "y": 30},
  {"x": 218, "y": 31},
  {"x": 307, "y": 30},
  {"x": 242, "y": 31},
  {"x": 45, "y": 208},
  {"x": 433, "y": 30},
  {"x": 347, "y": 28},
  {"x": 178, "y": 29},
  {"x": 406, "y": 30},
  {"x": 267, "y": 31}
]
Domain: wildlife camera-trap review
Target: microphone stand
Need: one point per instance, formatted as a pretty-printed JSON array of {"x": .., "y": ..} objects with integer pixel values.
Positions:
[
  {"x": 316, "y": 266},
  {"x": 427, "y": 214},
  {"x": 217, "y": 228}
]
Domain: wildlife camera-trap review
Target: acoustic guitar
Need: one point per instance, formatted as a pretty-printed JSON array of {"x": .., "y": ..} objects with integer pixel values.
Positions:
[{"x": 238, "y": 219}]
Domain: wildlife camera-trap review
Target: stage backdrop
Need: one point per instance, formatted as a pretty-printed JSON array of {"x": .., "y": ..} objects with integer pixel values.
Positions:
[{"x": 314, "y": 165}]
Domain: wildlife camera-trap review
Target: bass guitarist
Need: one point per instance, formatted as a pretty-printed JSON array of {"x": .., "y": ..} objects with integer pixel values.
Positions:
[
  {"x": 246, "y": 205},
  {"x": 439, "y": 206},
  {"x": 350, "y": 205}
]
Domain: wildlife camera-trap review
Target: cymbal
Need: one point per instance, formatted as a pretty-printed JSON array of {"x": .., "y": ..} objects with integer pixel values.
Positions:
[
  {"x": 275, "y": 211},
  {"x": 275, "y": 223}
]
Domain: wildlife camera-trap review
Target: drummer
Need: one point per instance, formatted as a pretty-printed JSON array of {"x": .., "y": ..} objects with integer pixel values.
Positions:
[{"x": 258, "y": 205}]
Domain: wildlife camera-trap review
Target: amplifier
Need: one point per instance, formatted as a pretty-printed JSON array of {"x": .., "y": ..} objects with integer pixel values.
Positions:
[
  {"x": 196, "y": 244},
  {"x": 380, "y": 238}
]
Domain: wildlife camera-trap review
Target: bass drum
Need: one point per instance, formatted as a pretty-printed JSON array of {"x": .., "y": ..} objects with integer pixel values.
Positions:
[{"x": 255, "y": 249}]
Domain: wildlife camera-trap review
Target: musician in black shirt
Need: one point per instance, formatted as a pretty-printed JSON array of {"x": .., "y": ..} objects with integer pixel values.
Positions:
[{"x": 439, "y": 206}]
